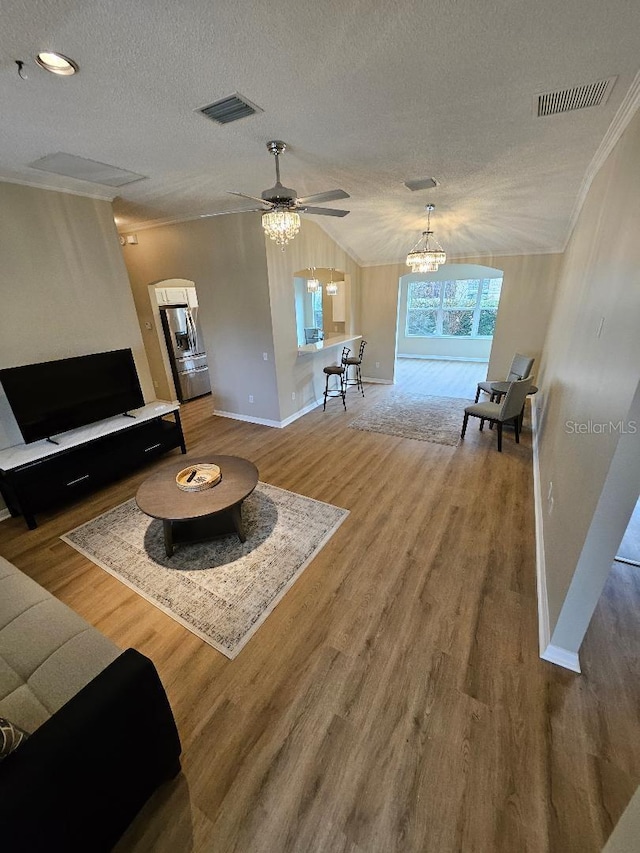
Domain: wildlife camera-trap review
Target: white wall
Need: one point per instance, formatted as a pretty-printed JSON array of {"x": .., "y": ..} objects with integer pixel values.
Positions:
[
  {"x": 63, "y": 285},
  {"x": 590, "y": 375}
]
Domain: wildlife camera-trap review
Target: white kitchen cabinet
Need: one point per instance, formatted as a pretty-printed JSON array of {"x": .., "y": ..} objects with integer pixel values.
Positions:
[
  {"x": 177, "y": 294},
  {"x": 192, "y": 297},
  {"x": 339, "y": 304}
]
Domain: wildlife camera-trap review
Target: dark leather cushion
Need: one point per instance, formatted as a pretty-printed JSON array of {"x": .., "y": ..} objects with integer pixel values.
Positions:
[{"x": 334, "y": 368}]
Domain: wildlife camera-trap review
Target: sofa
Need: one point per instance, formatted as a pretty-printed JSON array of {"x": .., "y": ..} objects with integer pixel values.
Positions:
[{"x": 101, "y": 734}]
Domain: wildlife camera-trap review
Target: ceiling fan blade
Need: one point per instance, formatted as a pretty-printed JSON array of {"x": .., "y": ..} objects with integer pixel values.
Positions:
[
  {"x": 324, "y": 211},
  {"x": 331, "y": 195},
  {"x": 251, "y": 198},
  {"x": 238, "y": 210}
]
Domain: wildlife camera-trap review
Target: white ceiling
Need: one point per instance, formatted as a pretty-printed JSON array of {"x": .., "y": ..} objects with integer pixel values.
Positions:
[{"x": 367, "y": 94}]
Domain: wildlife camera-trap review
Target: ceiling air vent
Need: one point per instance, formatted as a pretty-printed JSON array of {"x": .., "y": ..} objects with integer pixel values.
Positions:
[
  {"x": 421, "y": 184},
  {"x": 577, "y": 98},
  {"x": 229, "y": 109}
]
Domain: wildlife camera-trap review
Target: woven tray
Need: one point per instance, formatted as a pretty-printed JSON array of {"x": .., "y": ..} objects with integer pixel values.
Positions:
[{"x": 205, "y": 475}]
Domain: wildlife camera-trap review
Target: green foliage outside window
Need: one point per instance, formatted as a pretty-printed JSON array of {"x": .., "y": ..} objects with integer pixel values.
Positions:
[{"x": 458, "y": 308}]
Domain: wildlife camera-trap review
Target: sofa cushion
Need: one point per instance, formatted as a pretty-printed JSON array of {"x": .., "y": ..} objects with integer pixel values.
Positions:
[
  {"x": 69, "y": 668},
  {"x": 47, "y": 652},
  {"x": 17, "y": 594},
  {"x": 11, "y": 736}
]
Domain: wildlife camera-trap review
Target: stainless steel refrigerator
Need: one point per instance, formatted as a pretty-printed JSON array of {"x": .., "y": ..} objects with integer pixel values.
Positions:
[{"x": 185, "y": 345}]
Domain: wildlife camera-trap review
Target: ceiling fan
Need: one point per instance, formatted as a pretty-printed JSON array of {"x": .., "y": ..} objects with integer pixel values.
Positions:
[{"x": 280, "y": 199}]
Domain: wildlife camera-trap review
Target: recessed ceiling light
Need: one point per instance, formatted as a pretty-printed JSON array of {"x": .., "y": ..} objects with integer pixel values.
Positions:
[{"x": 56, "y": 63}]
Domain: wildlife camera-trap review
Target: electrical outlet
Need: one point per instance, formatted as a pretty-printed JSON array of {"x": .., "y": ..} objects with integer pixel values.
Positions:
[
  {"x": 377, "y": 364},
  {"x": 265, "y": 356},
  {"x": 251, "y": 398},
  {"x": 155, "y": 383},
  {"x": 293, "y": 395}
]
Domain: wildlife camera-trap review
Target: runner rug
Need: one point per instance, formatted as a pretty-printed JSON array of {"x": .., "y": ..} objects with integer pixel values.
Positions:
[{"x": 222, "y": 590}]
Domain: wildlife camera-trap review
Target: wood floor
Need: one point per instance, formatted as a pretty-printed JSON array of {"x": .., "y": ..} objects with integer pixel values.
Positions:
[{"x": 394, "y": 700}]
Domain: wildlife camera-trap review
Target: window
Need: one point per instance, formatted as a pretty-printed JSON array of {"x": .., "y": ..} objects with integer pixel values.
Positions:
[
  {"x": 316, "y": 307},
  {"x": 464, "y": 308}
]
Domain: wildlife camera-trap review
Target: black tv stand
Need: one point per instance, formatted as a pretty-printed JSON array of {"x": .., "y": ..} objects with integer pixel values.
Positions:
[{"x": 37, "y": 476}]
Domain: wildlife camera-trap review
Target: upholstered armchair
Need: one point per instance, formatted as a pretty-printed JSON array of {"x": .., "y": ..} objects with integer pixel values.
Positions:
[
  {"x": 501, "y": 413},
  {"x": 520, "y": 369}
]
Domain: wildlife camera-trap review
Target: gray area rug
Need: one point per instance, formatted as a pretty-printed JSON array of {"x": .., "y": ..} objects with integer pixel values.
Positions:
[
  {"x": 222, "y": 590},
  {"x": 436, "y": 419}
]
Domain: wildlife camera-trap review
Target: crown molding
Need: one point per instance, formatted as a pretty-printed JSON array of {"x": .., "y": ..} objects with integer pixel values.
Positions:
[
  {"x": 619, "y": 124},
  {"x": 471, "y": 258}
]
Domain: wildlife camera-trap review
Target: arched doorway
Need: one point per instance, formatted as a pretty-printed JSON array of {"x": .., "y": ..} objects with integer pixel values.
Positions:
[{"x": 446, "y": 321}]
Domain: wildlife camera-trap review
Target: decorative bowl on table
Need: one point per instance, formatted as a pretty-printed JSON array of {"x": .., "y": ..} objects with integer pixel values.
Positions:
[{"x": 198, "y": 477}]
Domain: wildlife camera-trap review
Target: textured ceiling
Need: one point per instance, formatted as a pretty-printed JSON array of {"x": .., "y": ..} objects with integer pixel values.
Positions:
[{"x": 367, "y": 94}]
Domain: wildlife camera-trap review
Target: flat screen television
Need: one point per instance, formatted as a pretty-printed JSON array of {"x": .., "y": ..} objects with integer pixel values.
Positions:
[{"x": 56, "y": 396}]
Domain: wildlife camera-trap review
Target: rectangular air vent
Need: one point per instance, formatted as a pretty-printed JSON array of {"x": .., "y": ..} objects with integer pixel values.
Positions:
[
  {"x": 229, "y": 109},
  {"x": 576, "y": 98},
  {"x": 420, "y": 184}
]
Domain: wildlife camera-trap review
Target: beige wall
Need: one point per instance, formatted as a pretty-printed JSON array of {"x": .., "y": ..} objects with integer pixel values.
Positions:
[
  {"x": 588, "y": 377},
  {"x": 302, "y": 374},
  {"x": 63, "y": 285},
  {"x": 625, "y": 835},
  {"x": 527, "y": 293},
  {"x": 225, "y": 257}
]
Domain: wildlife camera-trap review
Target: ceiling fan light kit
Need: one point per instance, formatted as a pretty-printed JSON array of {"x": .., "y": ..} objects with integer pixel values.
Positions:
[
  {"x": 281, "y": 220},
  {"x": 427, "y": 254},
  {"x": 280, "y": 226}
]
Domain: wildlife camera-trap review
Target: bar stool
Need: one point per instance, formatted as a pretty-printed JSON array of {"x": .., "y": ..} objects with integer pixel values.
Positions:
[
  {"x": 354, "y": 361},
  {"x": 340, "y": 371}
]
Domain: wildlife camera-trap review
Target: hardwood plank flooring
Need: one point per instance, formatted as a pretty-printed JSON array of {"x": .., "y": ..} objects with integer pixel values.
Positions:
[{"x": 394, "y": 700}]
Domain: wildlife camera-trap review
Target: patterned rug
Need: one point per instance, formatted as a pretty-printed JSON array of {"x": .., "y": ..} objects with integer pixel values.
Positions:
[
  {"x": 436, "y": 419},
  {"x": 222, "y": 590}
]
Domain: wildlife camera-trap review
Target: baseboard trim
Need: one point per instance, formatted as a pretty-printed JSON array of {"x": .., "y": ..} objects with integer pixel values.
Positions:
[
  {"x": 377, "y": 381},
  {"x": 549, "y": 652},
  {"x": 4, "y": 514},
  {"x": 305, "y": 411},
  {"x": 544, "y": 631},
  {"x": 235, "y": 416},
  {"x": 442, "y": 357},
  {"x": 561, "y": 657}
]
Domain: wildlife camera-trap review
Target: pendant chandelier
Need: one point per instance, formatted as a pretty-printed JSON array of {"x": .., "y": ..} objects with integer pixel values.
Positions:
[
  {"x": 332, "y": 288},
  {"x": 313, "y": 284},
  {"x": 281, "y": 225},
  {"x": 427, "y": 254}
]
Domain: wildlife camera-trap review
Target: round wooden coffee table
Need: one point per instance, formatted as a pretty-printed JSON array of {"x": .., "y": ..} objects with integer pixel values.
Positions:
[{"x": 193, "y": 516}]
